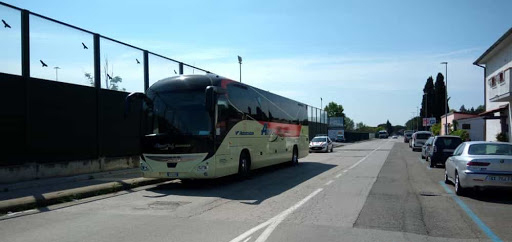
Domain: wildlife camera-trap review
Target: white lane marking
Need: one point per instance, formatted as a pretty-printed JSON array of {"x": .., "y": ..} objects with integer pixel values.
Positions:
[
  {"x": 279, "y": 218},
  {"x": 364, "y": 158},
  {"x": 273, "y": 222},
  {"x": 338, "y": 176},
  {"x": 247, "y": 239},
  {"x": 328, "y": 183},
  {"x": 345, "y": 171}
]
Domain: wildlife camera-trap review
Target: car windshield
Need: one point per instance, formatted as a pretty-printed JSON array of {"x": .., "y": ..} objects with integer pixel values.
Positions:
[
  {"x": 422, "y": 136},
  {"x": 448, "y": 143},
  {"x": 490, "y": 149},
  {"x": 319, "y": 139}
]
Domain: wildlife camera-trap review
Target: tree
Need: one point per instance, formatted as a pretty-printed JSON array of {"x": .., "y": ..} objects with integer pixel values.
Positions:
[
  {"x": 114, "y": 84},
  {"x": 90, "y": 78},
  {"x": 463, "y": 109},
  {"x": 414, "y": 123},
  {"x": 334, "y": 110},
  {"x": 427, "y": 103},
  {"x": 349, "y": 123},
  {"x": 480, "y": 109},
  {"x": 389, "y": 127},
  {"x": 111, "y": 82},
  {"x": 440, "y": 97}
]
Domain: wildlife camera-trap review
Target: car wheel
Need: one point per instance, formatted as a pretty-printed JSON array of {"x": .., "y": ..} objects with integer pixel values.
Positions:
[
  {"x": 332, "y": 148},
  {"x": 458, "y": 188},
  {"x": 295, "y": 157},
  {"x": 244, "y": 166},
  {"x": 446, "y": 180}
]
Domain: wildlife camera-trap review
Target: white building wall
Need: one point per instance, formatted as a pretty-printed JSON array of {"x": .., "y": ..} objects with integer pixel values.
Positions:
[
  {"x": 497, "y": 63},
  {"x": 476, "y": 131}
]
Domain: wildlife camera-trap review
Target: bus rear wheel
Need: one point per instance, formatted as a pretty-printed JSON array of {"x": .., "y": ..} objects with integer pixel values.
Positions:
[
  {"x": 295, "y": 157},
  {"x": 244, "y": 166}
]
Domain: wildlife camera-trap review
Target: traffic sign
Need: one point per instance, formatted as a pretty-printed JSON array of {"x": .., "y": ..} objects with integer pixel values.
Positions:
[{"x": 429, "y": 121}]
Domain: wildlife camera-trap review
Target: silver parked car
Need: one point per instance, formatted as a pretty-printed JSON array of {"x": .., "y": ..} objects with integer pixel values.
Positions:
[
  {"x": 424, "y": 148},
  {"x": 480, "y": 164},
  {"x": 321, "y": 143}
]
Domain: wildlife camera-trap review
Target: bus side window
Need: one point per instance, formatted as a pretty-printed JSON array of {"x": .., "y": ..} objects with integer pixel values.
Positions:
[{"x": 222, "y": 116}]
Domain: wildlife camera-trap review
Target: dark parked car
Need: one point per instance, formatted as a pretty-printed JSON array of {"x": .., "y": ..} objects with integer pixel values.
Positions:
[
  {"x": 441, "y": 148},
  {"x": 340, "y": 138}
]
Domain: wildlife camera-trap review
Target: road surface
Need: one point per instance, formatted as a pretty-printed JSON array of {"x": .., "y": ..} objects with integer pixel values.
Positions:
[{"x": 372, "y": 191}]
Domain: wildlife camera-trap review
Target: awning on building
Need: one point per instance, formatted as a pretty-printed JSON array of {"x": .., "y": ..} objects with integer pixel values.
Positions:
[{"x": 490, "y": 113}]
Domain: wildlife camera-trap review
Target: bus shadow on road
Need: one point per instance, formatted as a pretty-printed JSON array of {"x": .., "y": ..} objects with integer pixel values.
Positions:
[{"x": 263, "y": 183}]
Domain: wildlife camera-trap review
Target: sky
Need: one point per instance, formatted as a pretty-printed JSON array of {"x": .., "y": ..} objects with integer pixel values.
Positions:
[{"x": 372, "y": 57}]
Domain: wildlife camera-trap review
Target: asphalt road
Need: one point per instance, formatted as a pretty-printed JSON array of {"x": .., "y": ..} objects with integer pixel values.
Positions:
[{"x": 371, "y": 191}]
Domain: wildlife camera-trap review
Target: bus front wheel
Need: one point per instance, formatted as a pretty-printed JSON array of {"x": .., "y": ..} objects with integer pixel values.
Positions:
[{"x": 244, "y": 165}]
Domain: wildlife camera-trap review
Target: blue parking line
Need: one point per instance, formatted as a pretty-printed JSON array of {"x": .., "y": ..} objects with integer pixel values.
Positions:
[
  {"x": 424, "y": 162},
  {"x": 472, "y": 215}
]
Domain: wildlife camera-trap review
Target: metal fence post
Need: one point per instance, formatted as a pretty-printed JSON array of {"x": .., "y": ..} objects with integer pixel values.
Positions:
[
  {"x": 25, "y": 43},
  {"x": 146, "y": 70},
  {"x": 181, "y": 68},
  {"x": 97, "y": 61},
  {"x": 97, "y": 85},
  {"x": 25, "y": 73}
]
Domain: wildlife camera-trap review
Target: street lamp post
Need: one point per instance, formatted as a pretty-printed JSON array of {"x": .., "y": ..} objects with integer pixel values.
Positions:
[
  {"x": 56, "y": 73},
  {"x": 419, "y": 116},
  {"x": 240, "y": 62},
  {"x": 426, "y": 104},
  {"x": 413, "y": 120},
  {"x": 445, "y": 98},
  {"x": 321, "y": 110}
]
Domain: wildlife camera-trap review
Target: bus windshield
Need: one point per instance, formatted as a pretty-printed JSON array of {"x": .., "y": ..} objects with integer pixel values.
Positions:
[{"x": 181, "y": 112}]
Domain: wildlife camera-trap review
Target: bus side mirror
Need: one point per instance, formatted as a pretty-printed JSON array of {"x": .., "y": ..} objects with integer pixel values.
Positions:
[
  {"x": 210, "y": 99},
  {"x": 211, "y": 93},
  {"x": 134, "y": 96}
]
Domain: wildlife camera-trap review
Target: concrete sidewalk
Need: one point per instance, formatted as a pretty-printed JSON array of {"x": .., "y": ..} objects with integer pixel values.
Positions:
[{"x": 37, "y": 193}]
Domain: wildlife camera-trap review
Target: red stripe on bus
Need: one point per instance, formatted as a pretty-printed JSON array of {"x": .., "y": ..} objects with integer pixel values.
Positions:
[{"x": 283, "y": 130}]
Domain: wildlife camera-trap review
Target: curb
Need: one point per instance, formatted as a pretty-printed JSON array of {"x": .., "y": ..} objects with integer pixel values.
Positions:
[{"x": 30, "y": 202}]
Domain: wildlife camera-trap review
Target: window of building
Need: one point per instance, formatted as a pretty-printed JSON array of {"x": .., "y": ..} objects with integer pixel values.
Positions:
[
  {"x": 500, "y": 78},
  {"x": 466, "y": 126},
  {"x": 492, "y": 82}
]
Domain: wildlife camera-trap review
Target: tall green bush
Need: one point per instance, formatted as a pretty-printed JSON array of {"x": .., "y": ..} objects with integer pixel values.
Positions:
[
  {"x": 436, "y": 128},
  {"x": 463, "y": 134},
  {"x": 502, "y": 137}
]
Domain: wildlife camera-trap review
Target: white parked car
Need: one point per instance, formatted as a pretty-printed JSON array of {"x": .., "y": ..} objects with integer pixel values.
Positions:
[
  {"x": 419, "y": 138},
  {"x": 480, "y": 164},
  {"x": 321, "y": 143}
]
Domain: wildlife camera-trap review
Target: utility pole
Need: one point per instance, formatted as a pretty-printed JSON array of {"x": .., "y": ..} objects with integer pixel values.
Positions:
[{"x": 446, "y": 98}]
